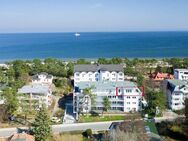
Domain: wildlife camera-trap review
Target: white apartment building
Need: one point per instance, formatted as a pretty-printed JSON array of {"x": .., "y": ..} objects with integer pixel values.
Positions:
[
  {"x": 181, "y": 74},
  {"x": 177, "y": 92},
  {"x": 92, "y": 73},
  {"x": 105, "y": 81},
  {"x": 42, "y": 78},
  {"x": 41, "y": 94}
]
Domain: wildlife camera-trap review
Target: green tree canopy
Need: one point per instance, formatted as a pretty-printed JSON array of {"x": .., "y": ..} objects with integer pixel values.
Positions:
[
  {"x": 41, "y": 126},
  {"x": 155, "y": 99},
  {"x": 106, "y": 103},
  {"x": 11, "y": 101}
]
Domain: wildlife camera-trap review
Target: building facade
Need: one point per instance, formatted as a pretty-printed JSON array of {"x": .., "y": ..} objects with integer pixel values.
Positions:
[
  {"x": 181, "y": 74},
  {"x": 176, "y": 92},
  {"x": 104, "y": 81},
  {"x": 95, "y": 73},
  {"x": 36, "y": 94}
]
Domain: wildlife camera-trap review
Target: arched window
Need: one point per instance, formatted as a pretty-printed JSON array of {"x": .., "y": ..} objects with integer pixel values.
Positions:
[{"x": 77, "y": 74}]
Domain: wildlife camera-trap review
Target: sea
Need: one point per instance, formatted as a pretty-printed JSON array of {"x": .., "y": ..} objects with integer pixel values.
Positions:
[{"x": 92, "y": 45}]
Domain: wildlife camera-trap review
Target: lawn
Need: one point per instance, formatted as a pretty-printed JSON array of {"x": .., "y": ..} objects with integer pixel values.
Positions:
[
  {"x": 89, "y": 118},
  {"x": 67, "y": 137},
  {"x": 151, "y": 126}
]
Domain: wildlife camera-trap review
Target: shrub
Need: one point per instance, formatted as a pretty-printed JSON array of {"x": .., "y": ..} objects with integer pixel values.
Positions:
[
  {"x": 59, "y": 113},
  {"x": 87, "y": 133}
]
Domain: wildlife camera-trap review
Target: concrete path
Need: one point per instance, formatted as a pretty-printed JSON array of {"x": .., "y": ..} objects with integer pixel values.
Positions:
[{"x": 95, "y": 126}]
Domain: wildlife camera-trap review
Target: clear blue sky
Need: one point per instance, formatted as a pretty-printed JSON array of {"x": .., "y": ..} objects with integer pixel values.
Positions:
[{"x": 92, "y": 15}]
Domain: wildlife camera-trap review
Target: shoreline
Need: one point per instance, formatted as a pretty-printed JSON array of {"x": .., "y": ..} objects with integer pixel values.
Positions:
[{"x": 87, "y": 59}]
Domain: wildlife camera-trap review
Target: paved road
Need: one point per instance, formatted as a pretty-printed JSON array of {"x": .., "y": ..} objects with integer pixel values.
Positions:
[
  {"x": 78, "y": 126},
  {"x": 96, "y": 126}
]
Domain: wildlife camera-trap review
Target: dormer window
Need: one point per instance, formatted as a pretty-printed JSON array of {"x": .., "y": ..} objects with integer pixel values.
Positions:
[
  {"x": 120, "y": 74},
  {"x": 77, "y": 74}
]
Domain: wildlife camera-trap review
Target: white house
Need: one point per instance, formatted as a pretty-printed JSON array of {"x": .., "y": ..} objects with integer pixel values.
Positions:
[
  {"x": 181, "y": 74},
  {"x": 41, "y": 94},
  {"x": 42, "y": 78},
  {"x": 177, "y": 92},
  {"x": 105, "y": 81}
]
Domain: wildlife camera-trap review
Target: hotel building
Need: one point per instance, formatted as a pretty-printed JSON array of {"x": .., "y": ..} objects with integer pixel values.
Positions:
[{"x": 104, "y": 81}]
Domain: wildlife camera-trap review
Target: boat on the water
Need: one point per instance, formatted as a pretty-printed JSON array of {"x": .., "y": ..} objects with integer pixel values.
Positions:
[{"x": 77, "y": 34}]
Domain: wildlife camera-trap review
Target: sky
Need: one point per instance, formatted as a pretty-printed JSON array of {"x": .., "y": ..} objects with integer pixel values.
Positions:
[{"x": 93, "y": 15}]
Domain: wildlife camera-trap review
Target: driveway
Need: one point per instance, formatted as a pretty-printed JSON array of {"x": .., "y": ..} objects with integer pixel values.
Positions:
[{"x": 69, "y": 116}]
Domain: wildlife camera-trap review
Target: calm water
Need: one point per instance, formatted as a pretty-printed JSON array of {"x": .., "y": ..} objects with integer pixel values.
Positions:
[{"x": 94, "y": 45}]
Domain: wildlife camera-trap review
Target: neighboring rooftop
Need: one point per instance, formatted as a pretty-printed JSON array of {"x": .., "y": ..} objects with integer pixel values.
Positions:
[
  {"x": 36, "y": 76},
  {"x": 96, "y": 67},
  {"x": 181, "y": 69},
  {"x": 105, "y": 84},
  {"x": 35, "y": 88},
  {"x": 176, "y": 82}
]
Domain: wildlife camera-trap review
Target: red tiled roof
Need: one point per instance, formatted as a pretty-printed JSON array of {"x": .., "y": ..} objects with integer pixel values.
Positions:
[{"x": 162, "y": 76}]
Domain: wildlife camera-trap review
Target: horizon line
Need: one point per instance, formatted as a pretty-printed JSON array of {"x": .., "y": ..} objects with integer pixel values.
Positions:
[{"x": 55, "y": 32}]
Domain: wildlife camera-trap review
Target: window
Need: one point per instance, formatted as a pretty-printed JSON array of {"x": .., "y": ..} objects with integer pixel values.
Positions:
[
  {"x": 128, "y": 90},
  {"x": 90, "y": 75},
  {"x": 120, "y": 74},
  {"x": 83, "y": 75},
  {"x": 120, "y": 96},
  {"x": 128, "y": 97},
  {"x": 176, "y": 94},
  {"x": 134, "y": 103},
  {"x": 113, "y": 74},
  {"x": 134, "y": 97},
  {"x": 128, "y": 102},
  {"x": 108, "y": 74},
  {"x": 120, "y": 78},
  {"x": 77, "y": 74}
]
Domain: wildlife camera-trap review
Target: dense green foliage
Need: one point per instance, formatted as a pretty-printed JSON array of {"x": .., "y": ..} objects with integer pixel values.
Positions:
[
  {"x": 87, "y": 133},
  {"x": 11, "y": 101},
  {"x": 41, "y": 126},
  {"x": 186, "y": 117},
  {"x": 172, "y": 129},
  {"x": 88, "y": 91},
  {"x": 155, "y": 99},
  {"x": 106, "y": 103},
  {"x": 3, "y": 78}
]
